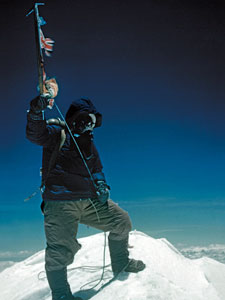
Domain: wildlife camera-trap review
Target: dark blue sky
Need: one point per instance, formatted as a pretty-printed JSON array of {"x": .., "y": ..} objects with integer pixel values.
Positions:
[{"x": 156, "y": 71}]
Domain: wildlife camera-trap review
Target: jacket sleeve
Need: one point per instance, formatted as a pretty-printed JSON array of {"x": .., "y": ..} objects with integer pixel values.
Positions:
[
  {"x": 98, "y": 174},
  {"x": 38, "y": 132}
]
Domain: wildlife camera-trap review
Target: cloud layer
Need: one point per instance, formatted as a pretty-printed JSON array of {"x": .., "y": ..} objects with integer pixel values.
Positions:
[{"x": 215, "y": 251}]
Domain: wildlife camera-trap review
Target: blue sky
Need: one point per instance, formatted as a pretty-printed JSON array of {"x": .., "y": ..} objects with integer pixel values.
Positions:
[{"x": 155, "y": 71}]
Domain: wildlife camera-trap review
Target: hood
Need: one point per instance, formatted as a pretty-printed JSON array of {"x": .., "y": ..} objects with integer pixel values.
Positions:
[{"x": 83, "y": 105}]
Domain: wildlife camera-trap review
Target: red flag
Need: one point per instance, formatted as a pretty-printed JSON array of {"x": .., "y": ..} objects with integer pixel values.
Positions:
[{"x": 46, "y": 44}]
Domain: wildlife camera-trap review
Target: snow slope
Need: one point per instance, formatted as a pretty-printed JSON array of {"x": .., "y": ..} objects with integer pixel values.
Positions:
[{"x": 168, "y": 274}]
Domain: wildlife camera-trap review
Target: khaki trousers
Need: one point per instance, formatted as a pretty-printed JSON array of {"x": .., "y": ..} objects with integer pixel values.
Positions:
[{"x": 61, "y": 219}]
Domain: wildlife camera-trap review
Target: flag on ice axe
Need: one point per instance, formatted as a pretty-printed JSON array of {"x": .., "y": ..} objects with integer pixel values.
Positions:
[
  {"x": 47, "y": 88},
  {"x": 46, "y": 44}
]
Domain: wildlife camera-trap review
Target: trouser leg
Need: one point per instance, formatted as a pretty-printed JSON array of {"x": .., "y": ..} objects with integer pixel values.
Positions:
[
  {"x": 117, "y": 221},
  {"x": 110, "y": 217},
  {"x": 60, "y": 230},
  {"x": 107, "y": 217}
]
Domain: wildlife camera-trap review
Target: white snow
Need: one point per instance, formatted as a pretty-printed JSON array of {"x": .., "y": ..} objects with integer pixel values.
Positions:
[
  {"x": 168, "y": 274},
  {"x": 5, "y": 264}
]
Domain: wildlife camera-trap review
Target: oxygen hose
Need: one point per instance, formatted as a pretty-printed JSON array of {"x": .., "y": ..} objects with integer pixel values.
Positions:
[{"x": 78, "y": 148}]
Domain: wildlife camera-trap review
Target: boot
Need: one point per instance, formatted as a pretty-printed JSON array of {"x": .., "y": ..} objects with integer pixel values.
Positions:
[
  {"x": 135, "y": 266},
  {"x": 120, "y": 258},
  {"x": 59, "y": 285}
]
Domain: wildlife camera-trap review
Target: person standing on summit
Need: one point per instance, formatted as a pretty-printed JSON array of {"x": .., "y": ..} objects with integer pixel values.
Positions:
[{"x": 74, "y": 191}]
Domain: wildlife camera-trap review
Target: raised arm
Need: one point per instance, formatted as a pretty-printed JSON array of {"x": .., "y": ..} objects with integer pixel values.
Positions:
[{"x": 37, "y": 131}]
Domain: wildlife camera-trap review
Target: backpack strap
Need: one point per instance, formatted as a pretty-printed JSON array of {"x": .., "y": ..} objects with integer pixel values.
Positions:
[
  {"x": 53, "y": 157},
  {"x": 52, "y": 162}
]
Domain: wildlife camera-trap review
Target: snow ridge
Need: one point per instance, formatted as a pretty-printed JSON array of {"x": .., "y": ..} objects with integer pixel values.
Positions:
[{"x": 168, "y": 274}]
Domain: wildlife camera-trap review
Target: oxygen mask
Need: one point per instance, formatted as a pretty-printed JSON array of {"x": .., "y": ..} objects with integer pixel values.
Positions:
[{"x": 83, "y": 122}]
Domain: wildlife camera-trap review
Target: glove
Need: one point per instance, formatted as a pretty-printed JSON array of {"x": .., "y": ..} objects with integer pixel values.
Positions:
[
  {"x": 102, "y": 191},
  {"x": 50, "y": 91},
  {"x": 50, "y": 88},
  {"x": 38, "y": 104}
]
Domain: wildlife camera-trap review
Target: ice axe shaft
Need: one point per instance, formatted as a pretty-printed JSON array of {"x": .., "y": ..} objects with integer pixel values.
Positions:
[{"x": 40, "y": 59}]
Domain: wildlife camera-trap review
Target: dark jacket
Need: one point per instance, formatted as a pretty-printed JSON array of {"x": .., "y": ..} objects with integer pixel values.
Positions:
[{"x": 68, "y": 178}]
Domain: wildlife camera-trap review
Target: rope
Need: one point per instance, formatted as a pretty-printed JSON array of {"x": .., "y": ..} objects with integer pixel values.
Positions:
[
  {"x": 95, "y": 210},
  {"x": 78, "y": 148},
  {"x": 103, "y": 270},
  {"x": 95, "y": 268},
  {"x": 89, "y": 268}
]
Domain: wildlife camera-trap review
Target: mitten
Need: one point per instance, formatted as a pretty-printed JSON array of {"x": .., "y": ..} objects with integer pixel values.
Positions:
[
  {"x": 102, "y": 191},
  {"x": 38, "y": 104}
]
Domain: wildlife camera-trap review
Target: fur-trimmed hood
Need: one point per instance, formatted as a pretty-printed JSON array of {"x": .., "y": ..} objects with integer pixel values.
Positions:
[{"x": 83, "y": 105}]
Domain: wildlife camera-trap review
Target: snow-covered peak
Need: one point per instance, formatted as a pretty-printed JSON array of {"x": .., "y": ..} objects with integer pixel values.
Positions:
[{"x": 168, "y": 274}]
